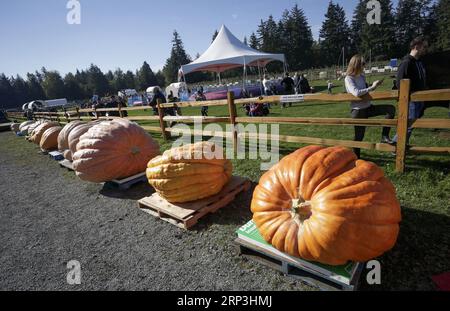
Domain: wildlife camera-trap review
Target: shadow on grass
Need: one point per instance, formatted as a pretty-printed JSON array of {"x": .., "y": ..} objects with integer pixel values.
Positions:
[
  {"x": 422, "y": 251},
  {"x": 413, "y": 162},
  {"x": 136, "y": 192}
]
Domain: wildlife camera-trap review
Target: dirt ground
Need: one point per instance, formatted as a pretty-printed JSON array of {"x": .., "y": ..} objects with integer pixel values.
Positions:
[{"x": 49, "y": 217}]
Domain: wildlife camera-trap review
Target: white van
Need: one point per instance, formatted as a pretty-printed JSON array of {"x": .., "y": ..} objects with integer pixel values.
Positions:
[{"x": 179, "y": 90}]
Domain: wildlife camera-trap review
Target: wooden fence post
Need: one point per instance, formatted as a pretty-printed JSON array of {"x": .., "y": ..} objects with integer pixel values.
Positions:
[
  {"x": 402, "y": 126},
  {"x": 78, "y": 113},
  {"x": 120, "y": 110},
  {"x": 233, "y": 115},
  {"x": 162, "y": 124},
  {"x": 66, "y": 115}
]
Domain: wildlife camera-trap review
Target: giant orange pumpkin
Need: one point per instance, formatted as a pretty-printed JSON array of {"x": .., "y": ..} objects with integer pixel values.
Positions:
[
  {"x": 325, "y": 205},
  {"x": 49, "y": 140},
  {"x": 113, "y": 150}
]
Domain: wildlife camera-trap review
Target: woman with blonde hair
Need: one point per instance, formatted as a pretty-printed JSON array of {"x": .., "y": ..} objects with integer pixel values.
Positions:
[{"x": 355, "y": 84}]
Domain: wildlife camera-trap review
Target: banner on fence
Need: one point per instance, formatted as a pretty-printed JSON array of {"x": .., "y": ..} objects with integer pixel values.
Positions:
[{"x": 292, "y": 98}]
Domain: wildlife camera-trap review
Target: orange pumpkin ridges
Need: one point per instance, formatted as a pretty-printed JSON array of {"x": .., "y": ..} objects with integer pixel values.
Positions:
[
  {"x": 113, "y": 150},
  {"x": 325, "y": 205}
]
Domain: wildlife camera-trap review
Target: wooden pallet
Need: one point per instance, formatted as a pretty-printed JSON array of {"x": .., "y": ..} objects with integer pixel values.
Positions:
[
  {"x": 289, "y": 268},
  {"x": 56, "y": 155},
  {"x": 67, "y": 164},
  {"x": 126, "y": 183},
  {"x": 186, "y": 215}
]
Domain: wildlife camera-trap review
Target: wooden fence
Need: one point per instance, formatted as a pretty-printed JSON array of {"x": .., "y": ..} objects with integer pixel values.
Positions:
[{"x": 402, "y": 123}]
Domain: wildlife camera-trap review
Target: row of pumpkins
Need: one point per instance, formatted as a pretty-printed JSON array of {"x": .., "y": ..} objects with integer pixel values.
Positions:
[
  {"x": 107, "y": 150},
  {"x": 319, "y": 204}
]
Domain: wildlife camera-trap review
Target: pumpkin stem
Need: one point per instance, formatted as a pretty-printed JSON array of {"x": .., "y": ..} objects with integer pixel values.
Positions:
[
  {"x": 135, "y": 150},
  {"x": 301, "y": 210}
]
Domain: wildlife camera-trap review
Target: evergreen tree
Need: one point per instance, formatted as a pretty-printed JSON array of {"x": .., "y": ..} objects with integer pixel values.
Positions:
[
  {"x": 215, "y": 34},
  {"x": 178, "y": 57},
  {"x": 129, "y": 80},
  {"x": 72, "y": 89},
  {"x": 300, "y": 39},
  {"x": 145, "y": 77},
  {"x": 160, "y": 80},
  {"x": 35, "y": 90},
  {"x": 334, "y": 34},
  {"x": 245, "y": 41},
  {"x": 53, "y": 85},
  {"x": 118, "y": 82},
  {"x": 442, "y": 9},
  {"x": 411, "y": 20},
  {"x": 254, "y": 41},
  {"x": 358, "y": 22},
  {"x": 97, "y": 82},
  {"x": 379, "y": 39},
  {"x": 7, "y": 99}
]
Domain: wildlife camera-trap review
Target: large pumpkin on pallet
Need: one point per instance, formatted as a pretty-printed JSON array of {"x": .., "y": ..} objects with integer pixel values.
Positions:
[
  {"x": 49, "y": 140},
  {"x": 325, "y": 205},
  {"x": 39, "y": 131},
  {"x": 63, "y": 137},
  {"x": 113, "y": 150},
  {"x": 189, "y": 173}
]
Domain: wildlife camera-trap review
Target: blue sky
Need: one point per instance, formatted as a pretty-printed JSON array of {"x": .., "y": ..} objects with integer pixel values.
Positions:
[{"x": 117, "y": 33}]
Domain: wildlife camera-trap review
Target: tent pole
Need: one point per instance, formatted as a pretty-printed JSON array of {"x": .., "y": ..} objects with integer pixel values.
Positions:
[{"x": 260, "y": 79}]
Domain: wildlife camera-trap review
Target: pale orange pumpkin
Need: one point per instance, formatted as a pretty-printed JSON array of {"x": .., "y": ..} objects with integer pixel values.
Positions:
[
  {"x": 74, "y": 137},
  {"x": 113, "y": 150},
  {"x": 325, "y": 205},
  {"x": 49, "y": 140},
  {"x": 39, "y": 131},
  {"x": 63, "y": 137}
]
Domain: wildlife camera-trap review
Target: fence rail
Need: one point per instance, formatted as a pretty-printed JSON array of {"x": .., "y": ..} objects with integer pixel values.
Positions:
[{"x": 402, "y": 122}]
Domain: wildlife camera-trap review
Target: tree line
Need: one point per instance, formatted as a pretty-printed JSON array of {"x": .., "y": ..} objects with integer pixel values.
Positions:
[{"x": 291, "y": 35}]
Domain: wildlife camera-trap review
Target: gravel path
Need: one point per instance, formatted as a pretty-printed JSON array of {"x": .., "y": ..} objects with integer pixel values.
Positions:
[{"x": 49, "y": 217}]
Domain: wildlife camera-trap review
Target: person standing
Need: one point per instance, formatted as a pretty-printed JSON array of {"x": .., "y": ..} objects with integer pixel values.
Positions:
[
  {"x": 413, "y": 69},
  {"x": 288, "y": 84},
  {"x": 267, "y": 84},
  {"x": 304, "y": 85},
  {"x": 355, "y": 84},
  {"x": 297, "y": 83},
  {"x": 288, "y": 87},
  {"x": 330, "y": 87},
  {"x": 201, "y": 97}
]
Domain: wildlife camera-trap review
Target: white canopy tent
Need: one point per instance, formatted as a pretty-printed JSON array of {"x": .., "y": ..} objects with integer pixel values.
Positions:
[{"x": 228, "y": 52}]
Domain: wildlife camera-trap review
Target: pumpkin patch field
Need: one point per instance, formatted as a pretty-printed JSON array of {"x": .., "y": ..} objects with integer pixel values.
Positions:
[{"x": 49, "y": 216}]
